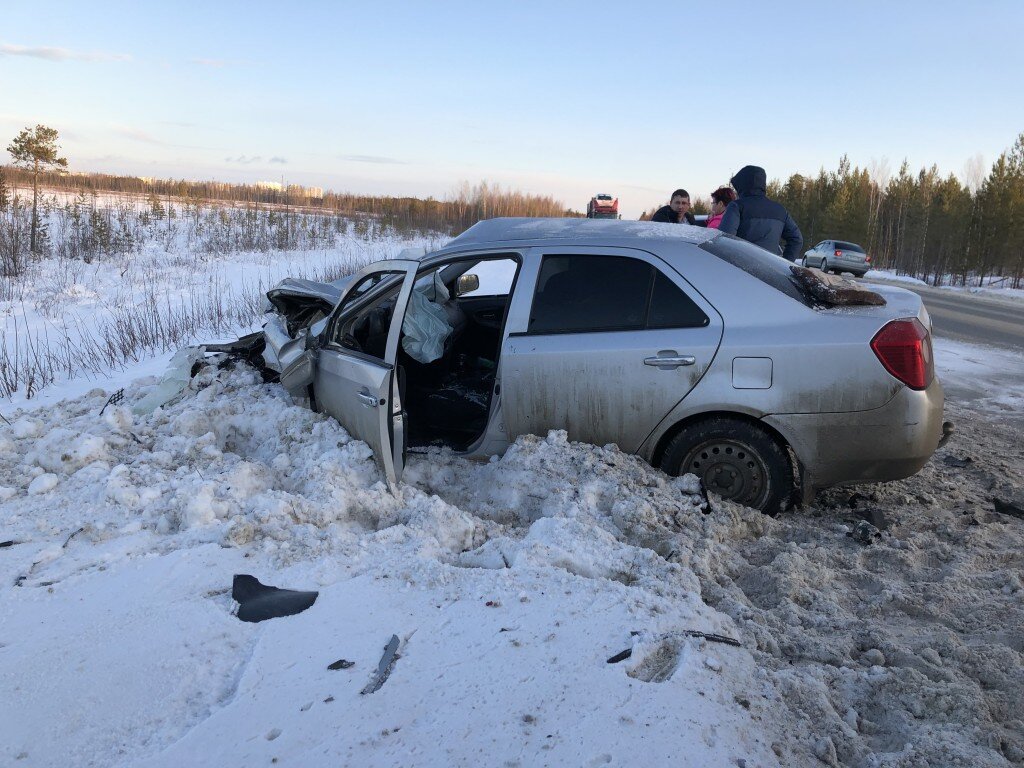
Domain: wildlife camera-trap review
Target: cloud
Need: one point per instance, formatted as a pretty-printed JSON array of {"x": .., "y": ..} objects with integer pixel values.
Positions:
[
  {"x": 216, "y": 63},
  {"x": 250, "y": 159},
  {"x": 373, "y": 159},
  {"x": 60, "y": 54},
  {"x": 137, "y": 134}
]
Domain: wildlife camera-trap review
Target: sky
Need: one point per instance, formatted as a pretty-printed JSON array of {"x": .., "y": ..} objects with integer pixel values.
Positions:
[{"x": 563, "y": 99}]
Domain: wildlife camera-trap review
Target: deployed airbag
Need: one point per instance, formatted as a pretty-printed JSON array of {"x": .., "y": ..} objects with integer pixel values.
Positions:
[{"x": 426, "y": 326}]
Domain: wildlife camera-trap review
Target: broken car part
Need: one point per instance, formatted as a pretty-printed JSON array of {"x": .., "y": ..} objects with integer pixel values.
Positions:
[
  {"x": 258, "y": 602},
  {"x": 387, "y": 661}
]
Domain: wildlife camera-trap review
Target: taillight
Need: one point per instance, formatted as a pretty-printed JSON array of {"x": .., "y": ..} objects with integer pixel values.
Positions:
[
  {"x": 867, "y": 258},
  {"x": 839, "y": 253},
  {"x": 904, "y": 347}
]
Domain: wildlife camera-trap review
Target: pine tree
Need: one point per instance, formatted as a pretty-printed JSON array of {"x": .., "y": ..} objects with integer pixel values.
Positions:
[{"x": 36, "y": 149}]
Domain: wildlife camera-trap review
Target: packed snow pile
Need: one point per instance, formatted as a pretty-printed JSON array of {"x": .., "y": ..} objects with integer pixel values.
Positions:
[
  {"x": 509, "y": 584},
  {"x": 565, "y": 604}
]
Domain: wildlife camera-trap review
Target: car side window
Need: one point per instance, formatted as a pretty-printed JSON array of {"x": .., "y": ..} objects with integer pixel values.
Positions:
[
  {"x": 580, "y": 294},
  {"x": 495, "y": 276},
  {"x": 671, "y": 308},
  {"x": 361, "y": 288},
  {"x": 367, "y": 329}
]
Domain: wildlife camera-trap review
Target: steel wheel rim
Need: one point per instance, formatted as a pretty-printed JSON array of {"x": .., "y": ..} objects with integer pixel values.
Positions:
[{"x": 730, "y": 469}]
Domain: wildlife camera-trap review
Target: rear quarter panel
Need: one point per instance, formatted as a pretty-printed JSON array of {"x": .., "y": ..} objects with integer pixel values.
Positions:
[{"x": 822, "y": 361}]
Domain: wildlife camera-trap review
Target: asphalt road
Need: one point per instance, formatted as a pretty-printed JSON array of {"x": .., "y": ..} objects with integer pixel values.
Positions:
[{"x": 970, "y": 317}]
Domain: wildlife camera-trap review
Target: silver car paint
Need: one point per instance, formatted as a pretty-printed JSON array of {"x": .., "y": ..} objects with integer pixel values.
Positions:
[
  {"x": 844, "y": 416},
  {"x": 848, "y": 261},
  {"x": 588, "y": 383}
]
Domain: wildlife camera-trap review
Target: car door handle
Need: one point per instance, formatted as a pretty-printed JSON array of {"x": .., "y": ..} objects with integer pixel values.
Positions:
[
  {"x": 670, "y": 361},
  {"x": 367, "y": 399}
]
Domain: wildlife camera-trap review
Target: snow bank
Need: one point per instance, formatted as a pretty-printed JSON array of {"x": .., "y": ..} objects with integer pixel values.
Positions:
[{"x": 510, "y": 585}]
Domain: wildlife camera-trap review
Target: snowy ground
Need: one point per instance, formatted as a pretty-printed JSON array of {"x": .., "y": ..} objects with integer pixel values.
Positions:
[
  {"x": 993, "y": 287},
  {"x": 71, "y": 321},
  {"x": 509, "y": 584}
]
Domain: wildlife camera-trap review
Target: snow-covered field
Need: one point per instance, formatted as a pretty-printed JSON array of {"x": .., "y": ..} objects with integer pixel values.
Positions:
[
  {"x": 185, "y": 281},
  {"x": 509, "y": 585}
]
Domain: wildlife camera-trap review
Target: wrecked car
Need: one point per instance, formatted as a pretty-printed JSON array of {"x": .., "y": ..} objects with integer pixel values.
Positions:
[{"x": 693, "y": 349}]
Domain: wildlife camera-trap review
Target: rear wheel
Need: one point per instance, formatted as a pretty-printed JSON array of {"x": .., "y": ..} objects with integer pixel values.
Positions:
[
  {"x": 734, "y": 459},
  {"x": 824, "y": 265}
]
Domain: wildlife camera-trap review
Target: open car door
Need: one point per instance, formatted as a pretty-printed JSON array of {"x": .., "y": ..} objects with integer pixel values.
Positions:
[{"x": 356, "y": 382}]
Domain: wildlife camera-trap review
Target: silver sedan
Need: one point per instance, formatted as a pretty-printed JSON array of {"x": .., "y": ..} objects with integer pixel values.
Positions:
[
  {"x": 690, "y": 348},
  {"x": 838, "y": 256}
]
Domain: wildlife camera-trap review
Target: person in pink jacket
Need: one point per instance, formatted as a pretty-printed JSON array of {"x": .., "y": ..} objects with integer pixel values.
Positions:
[{"x": 720, "y": 200}]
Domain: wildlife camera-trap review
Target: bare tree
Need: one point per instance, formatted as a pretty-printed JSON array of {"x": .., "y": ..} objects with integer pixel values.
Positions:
[
  {"x": 974, "y": 172},
  {"x": 36, "y": 149}
]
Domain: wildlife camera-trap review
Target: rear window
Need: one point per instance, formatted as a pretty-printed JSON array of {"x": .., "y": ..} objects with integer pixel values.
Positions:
[
  {"x": 757, "y": 262},
  {"x": 840, "y": 246}
]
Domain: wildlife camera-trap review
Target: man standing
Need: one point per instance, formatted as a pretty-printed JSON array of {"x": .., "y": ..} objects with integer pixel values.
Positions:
[
  {"x": 757, "y": 219},
  {"x": 677, "y": 211}
]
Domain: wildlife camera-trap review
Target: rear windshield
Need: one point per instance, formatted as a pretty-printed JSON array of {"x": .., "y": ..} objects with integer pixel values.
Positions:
[
  {"x": 841, "y": 246},
  {"x": 757, "y": 262}
]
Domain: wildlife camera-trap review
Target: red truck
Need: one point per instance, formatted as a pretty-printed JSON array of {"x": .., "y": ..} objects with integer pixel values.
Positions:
[{"x": 602, "y": 206}]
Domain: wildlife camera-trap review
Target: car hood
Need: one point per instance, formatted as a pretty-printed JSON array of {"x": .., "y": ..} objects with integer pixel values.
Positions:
[{"x": 295, "y": 286}]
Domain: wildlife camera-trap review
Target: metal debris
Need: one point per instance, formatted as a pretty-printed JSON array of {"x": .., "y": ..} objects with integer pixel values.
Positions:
[
  {"x": 387, "y": 661},
  {"x": 865, "y": 533},
  {"x": 114, "y": 399}
]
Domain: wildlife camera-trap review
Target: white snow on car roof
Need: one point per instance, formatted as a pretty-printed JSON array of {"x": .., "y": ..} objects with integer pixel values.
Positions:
[{"x": 539, "y": 229}]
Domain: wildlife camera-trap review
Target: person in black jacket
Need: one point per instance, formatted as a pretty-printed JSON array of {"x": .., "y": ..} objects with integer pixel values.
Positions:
[
  {"x": 677, "y": 211},
  {"x": 757, "y": 219}
]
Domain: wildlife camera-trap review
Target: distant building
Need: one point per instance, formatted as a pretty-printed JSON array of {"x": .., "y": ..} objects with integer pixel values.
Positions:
[
  {"x": 275, "y": 185},
  {"x": 298, "y": 189}
]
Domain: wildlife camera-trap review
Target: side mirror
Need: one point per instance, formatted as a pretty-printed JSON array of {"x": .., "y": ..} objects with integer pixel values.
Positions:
[{"x": 466, "y": 284}]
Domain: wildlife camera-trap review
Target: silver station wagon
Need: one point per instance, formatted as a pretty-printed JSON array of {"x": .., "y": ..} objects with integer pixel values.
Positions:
[{"x": 692, "y": 349}]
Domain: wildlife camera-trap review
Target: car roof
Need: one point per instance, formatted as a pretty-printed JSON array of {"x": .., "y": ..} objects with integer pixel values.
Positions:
[{"x": 596, "y": 231}]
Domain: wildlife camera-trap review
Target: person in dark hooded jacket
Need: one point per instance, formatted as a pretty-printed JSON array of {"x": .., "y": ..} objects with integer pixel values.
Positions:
[{"x": 757, "y": 219}]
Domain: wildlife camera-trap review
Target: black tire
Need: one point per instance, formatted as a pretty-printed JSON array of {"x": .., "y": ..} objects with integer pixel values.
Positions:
[
  {"x": 734, "y": 459},
  {"x": 824, "y": 265}
]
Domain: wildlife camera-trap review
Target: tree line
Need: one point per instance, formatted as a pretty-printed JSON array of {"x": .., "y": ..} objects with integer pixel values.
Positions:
[
  {"x": 463, "y": 208},
  {"x": 936, "y": 228}
]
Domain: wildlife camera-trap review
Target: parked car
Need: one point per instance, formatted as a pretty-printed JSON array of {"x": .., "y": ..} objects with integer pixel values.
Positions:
[
  {"x": 838, "y": 256},
  {"x": 693, "y": 349}
]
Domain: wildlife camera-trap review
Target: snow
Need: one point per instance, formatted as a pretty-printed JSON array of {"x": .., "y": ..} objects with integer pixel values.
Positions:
[
  {"x": 993, "y": 287},
  {"x": 528, "y": 229},
  {"x": 991, "y": 378},
  {"x": 166, "y": 294},
  {"x": 509, "y": 583}
]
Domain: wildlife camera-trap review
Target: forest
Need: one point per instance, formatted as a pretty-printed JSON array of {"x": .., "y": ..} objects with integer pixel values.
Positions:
[{"x": 964, "y": 230}]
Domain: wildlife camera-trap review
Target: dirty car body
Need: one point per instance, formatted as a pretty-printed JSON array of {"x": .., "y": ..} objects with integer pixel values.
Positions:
[{"x": 690, "y": 348}]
